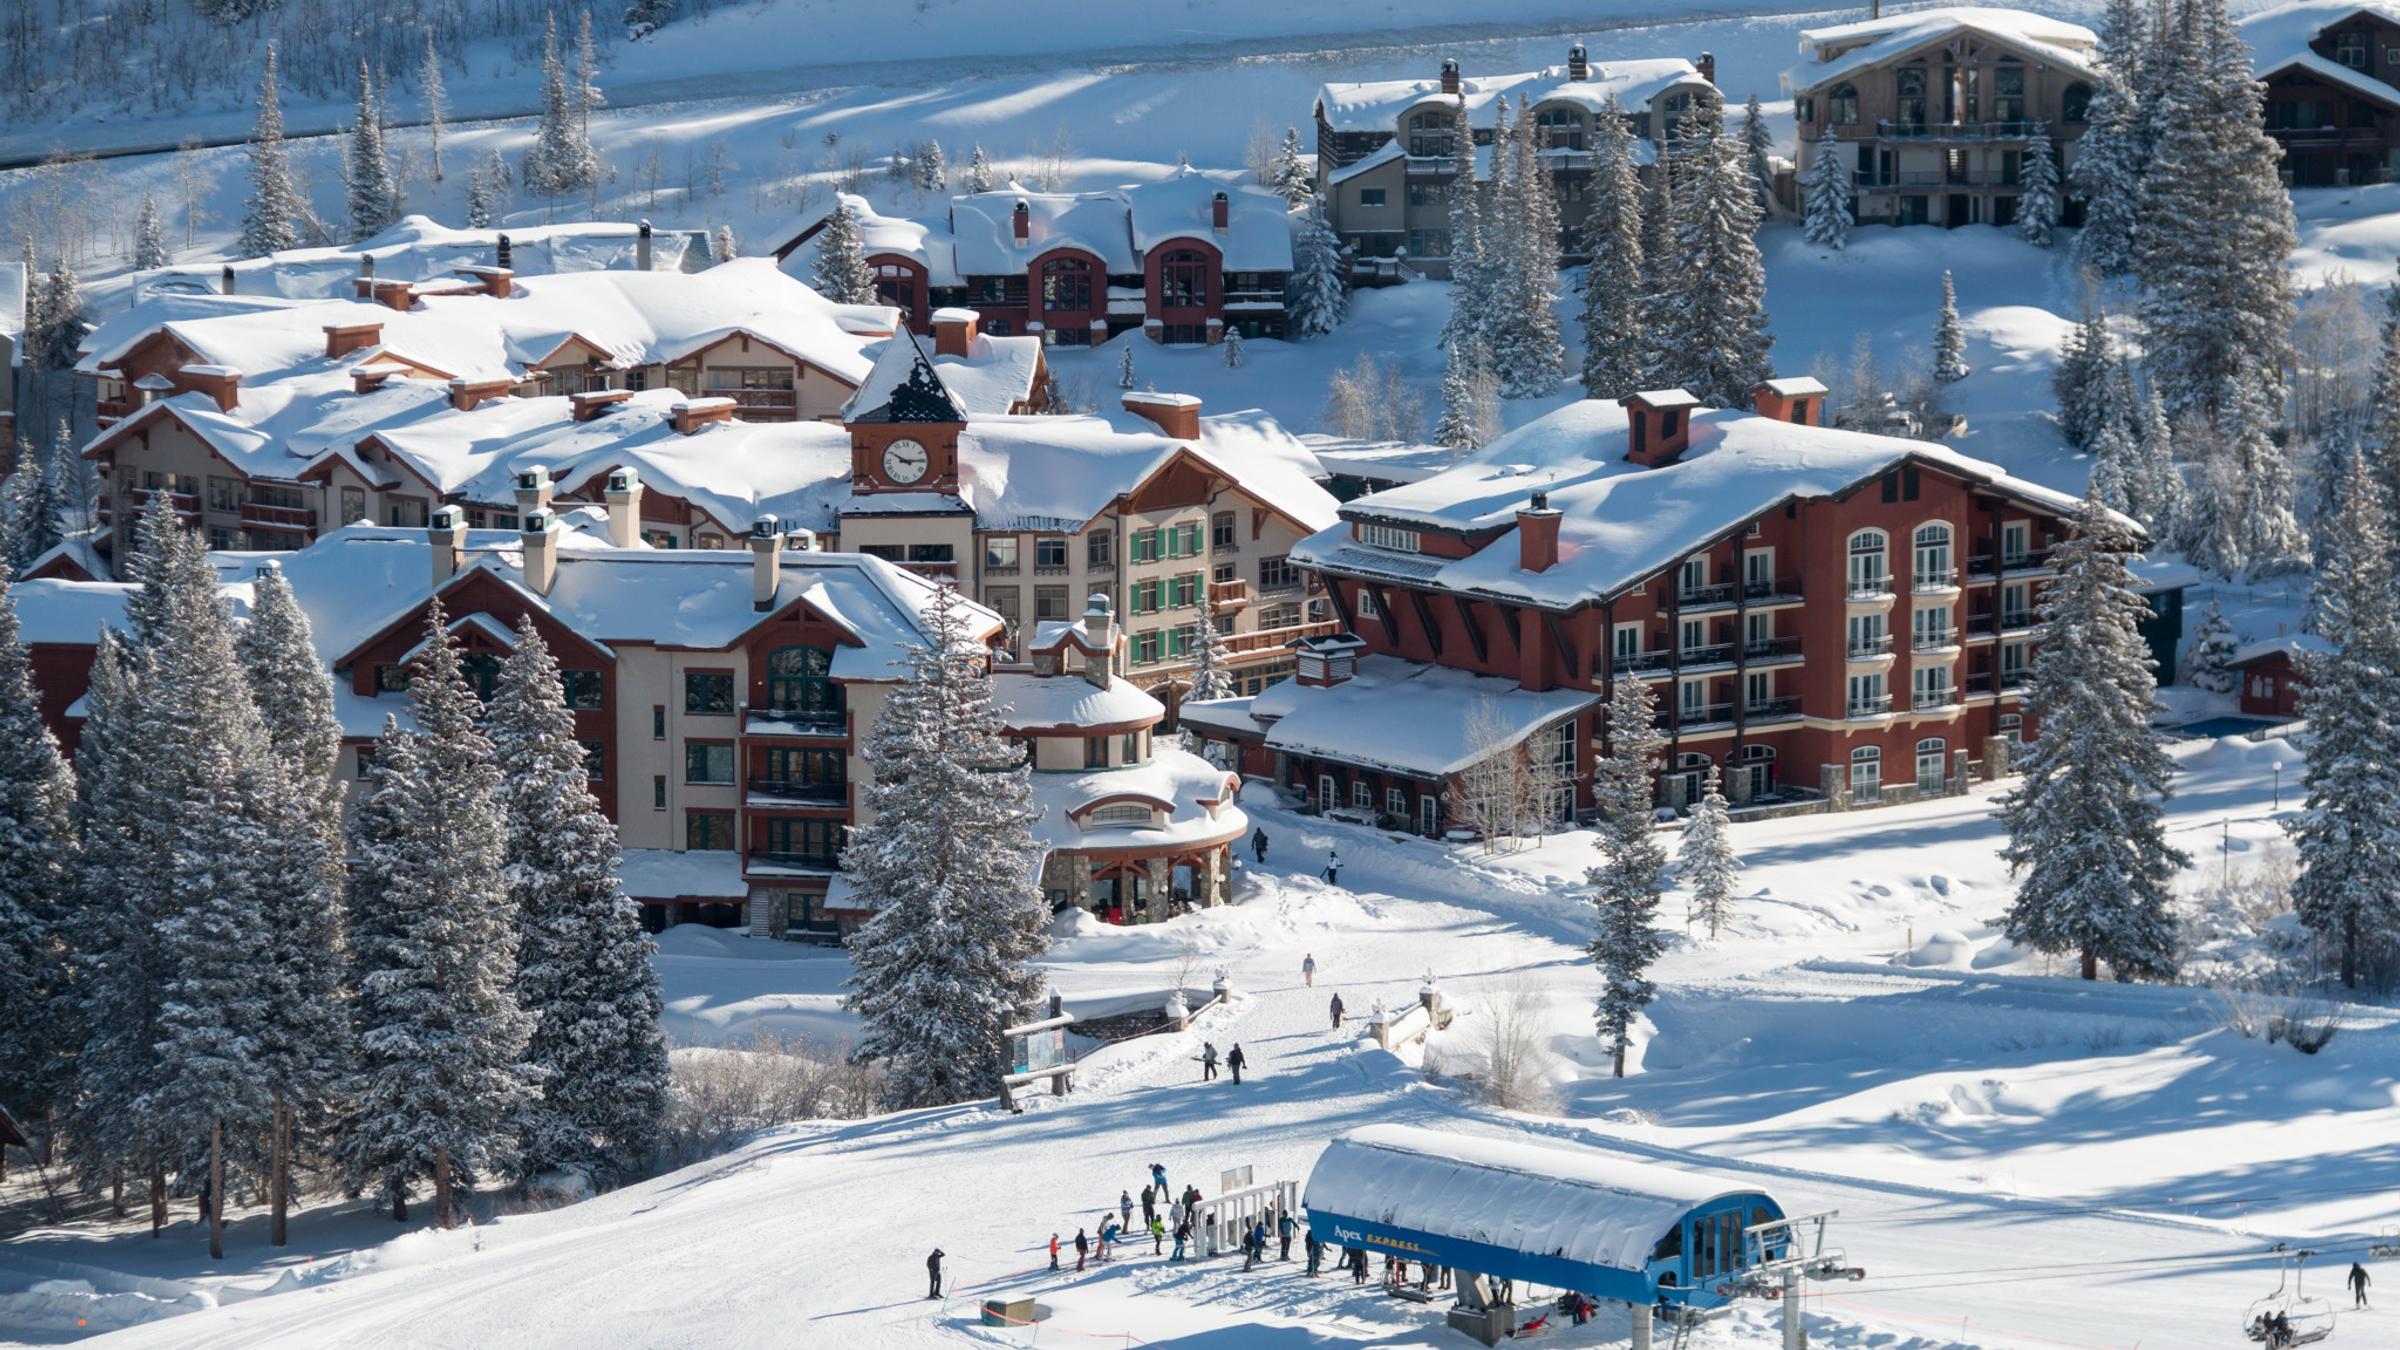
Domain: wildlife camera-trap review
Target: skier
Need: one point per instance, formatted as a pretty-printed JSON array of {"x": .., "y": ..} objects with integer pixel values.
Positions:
[
  {"x": 1124, "y": 1208},
  {"x": 1158, "y": 1173},
  {"x": 1333, "y": 867},
  {"x": 1308, "y": 969},
  {"x": 933, "y": 1272},
  {"x": 1337, "y": 1012},
  {"x": 1083, "y": 1248},
  {"x": 1316, "y": 1252},
  {"x": 1054, "y": 1251},
  {"x": 1258, "y": 845},
  {"x": 2358, "y": 1285},
  {"x": 1208, "y": 1061},
  {"x": 1284, "y": 1228},
  {"x": 1234, "y": 1060}
]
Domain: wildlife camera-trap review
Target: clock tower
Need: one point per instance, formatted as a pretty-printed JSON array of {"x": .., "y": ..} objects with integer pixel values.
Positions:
[{"x": 904, "y": 424}]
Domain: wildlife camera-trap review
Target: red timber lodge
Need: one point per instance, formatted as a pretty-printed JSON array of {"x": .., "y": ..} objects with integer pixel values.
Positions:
[{"x": 1830, "y": 619}]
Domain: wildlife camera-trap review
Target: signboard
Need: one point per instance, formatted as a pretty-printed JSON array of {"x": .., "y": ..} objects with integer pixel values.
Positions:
[
  {"x": 1042, "y": 1048},
  {"x": 1234, "y": 1179}
]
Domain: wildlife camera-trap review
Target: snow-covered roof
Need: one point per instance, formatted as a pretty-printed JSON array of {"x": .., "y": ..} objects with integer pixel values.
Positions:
[
  {"x": 1425, "y": 720},
  {"x": 1595, "y": 1208},
  {"x": 1027, "y": 701},
  {"x": 1624, "y": 522},
  {"x": 1394, "y": 461},
  {"x": 2280, "y": 39},
  {"x": 1048, "y": 472},
  {"x": 902, "y": 363},
  {"x": 1378, "y": 105},
  {"x": 1120, "y": 226},
  {"x": 1845, "y": 49},
  {"x": 2288, "y": 644},
  {"x": 417, "y": 248},
  {"x": 1195, "y": 796}
]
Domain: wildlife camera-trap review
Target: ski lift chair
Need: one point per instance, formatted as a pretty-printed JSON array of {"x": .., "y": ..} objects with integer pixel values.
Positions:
[{"x": 2310, "y": 1319}]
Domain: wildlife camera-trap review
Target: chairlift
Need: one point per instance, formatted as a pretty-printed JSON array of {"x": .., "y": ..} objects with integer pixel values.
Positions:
[{"x": 2289, "y": 1317}]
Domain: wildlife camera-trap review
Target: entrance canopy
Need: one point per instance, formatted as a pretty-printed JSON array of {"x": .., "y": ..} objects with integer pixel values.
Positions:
[{"x": 1608, "y": 1227}]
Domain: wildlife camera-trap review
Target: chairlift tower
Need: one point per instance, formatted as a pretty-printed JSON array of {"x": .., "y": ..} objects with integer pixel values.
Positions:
[{"x": 1782, "y": 1253}]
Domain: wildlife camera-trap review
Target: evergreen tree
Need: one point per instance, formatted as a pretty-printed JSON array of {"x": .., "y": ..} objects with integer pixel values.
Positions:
[
  {"x": 1625, "y": 885},
  {"x": 1758, "y": 145},
  {"x": 841, "y": 273},
  {"x": 374, "y": 192},
  {"x": 1949, "y": 337},
  {"x": 1828, "y": 218},
  {"x": 2037, "y": 205},
  {"x": 1662, "y": 279},
  {"x": 62, "y": 319},
  {"x": 721, "y": 248},
  {"x": 2265, "y": 523},
  {"x": 1522, "y": 335},
  {"x": 1320, "y": 296},
  {"x": 2085, "y": 357},
  {"x": 2159, "y": 500},
  {"x": 2108, "y": 175},
  {"x": 2208, "y": 662},
  {"x": 1612, "y": 280},
  {"x": 38, "y": 1032},
  {"x": 1288, "y": 177},
  {"x": 439, "y": 1079},
  {"x": 488, "y": 191},
  {"x": 584, "y": 974},
  {"x": 1126, "y": 379},
  {"x": 946, "y": 960},
  {"x": 271, "y": 215},
  {"x": 2113, "y": 468},
  {"x": 437, "y": 102},
  {"x": 2348, "y": 835},
  {"x": 1706, "y": 859},
  {"x": 979, "y": 172},
  {"x": 1716, "y": 323},
  {"x": 933, "y": 172},
  {"x": 587, "y": 97},
  {"x": 1212, "y": 661},
  {"x": 1470, "y": 271},
  {"x": 2086, "y": 832},
  {"x": 149, "y": 236},
  {"x": 34, "y": 508},
  {"x": 1232, "y": 354},
  {"x": 1470, "y": 400},
  {"x": 561, "y": 159},
  {"x": 2381, "y": 434}
]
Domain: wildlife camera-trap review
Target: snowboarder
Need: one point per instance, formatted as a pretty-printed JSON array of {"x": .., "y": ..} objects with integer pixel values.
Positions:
[
  {"x": 1083, "y": 1248},
  {"x": 1337, "y": 1012},
  {"x": 1316, "y": 1253},
  {"x": 1054, "y": 1251},
  {"x": 1158, "y": 1173},
  {"x": 1308, "y": 969},
  {"x": 1234, "y": 1060},
  {"x": 1284, "y": 1228},
  {"x": 2358, "y": 1285},
  {"x": 1124, "y": 1208},
  {"x": 1158, "y": 1234},
  {"x": 1208, "y": 1061},
  {"x": 1258, "y": 845},
  {"x": 933, "y": 1272},
  {"x": 1333, "y": 867}
]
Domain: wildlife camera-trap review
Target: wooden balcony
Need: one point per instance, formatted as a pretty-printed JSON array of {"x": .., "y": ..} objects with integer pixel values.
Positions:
[
  {"x": 759, "y": 405},
  {"x": 1229, "y": 595},
  {"x": 773, "y": 792},
  {"x": 1954, "y": 131},
  {"x": 186, "y": 504},
  {"x": 283, "y": 519},
  {"x": 1273, "y": 639}
]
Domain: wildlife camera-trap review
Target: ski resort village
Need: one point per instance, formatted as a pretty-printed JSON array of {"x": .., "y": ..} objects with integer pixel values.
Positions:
[{"x": 1209, "y": 674}]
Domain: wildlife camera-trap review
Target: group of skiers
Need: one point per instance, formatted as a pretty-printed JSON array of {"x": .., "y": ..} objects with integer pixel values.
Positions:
[{"x": 1235, "y": 1061}]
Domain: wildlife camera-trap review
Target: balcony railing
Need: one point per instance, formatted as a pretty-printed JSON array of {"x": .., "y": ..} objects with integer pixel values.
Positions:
[
  {"x": 185, "y": 503},
  {"x": 290, "y": 519},
  {"x": 1229, "y": 594},
  {"x": 1715, "y": 653},
  {"x": 804, "y": 793},
  {"x": 1936, "y": 579},
  {"x": 2005, "y": 130},
  {"x": 1270, "y": 639},
  {"x": 773, "y": 402},
  {"x": 1694, "y": 715},
  {"x": 1980, "y": 565},
  {"x": 1866, "y": 648},
  {"x": 1772, "y": 649},
  {"x": 1771, "y": 588},
  {"x": 815, "y": 862},
  {"x": 2017, "y": 618},
  {"x": 798, "y": 721},
  {"x": 1870, "y": 588},
  {"x": 1636, "y": 663},
  {"x": 1943, "y": 697},
  {"x": 1876, "y": 706},
  {"x": 1933, "y": 640},
  {"x": 1981, "y": 625},
  {"x": 1693, "y": 597},
  {"x": 2016, "y": 679},
  {"x": 1771, "y": 710}
]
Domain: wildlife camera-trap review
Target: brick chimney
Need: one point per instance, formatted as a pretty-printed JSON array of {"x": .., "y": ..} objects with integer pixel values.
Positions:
[
  {"x": 695, "y": 413},
  {"x": 1177, "y": 415},
  {"x": 1220, "y": 212},
  {"x": 448, "y": 537},
  {"x": 766, "y": 562},
  {"x": 955, "y": 330},
  {"x": 1023, "y": 220},
  {"x": 1661, "y": 426},
  {"x": 1449, "y": 77},
  {"x": 368, "y": 378},
  {"x": 399, "y": 295},
  {"x": 1800, "y": 401},
  {"x": 1321, "y": 662},
  {"x": 539, "y": 534},
  {"x": 465, "y": 394},
  {"x": 641, "y": 247},
  {"x": 1100, "y": 626},
  {"x": 1708, "y": 66},
  {"x": 222, "y": 383},
  {"x": 591, "y": 403},
  {"x": 1537, "y": 534},
  {"x": 496, "y": 282},
  {"x": 341, "y": 339},
  {"x": 624, "y": 508},
  {"x": 1579, "y": 65},
  {"x": 533, "y": 490}
]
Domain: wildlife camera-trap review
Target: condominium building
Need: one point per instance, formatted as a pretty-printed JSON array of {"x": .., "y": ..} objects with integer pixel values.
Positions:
[{"x": 2332, "y": 71}]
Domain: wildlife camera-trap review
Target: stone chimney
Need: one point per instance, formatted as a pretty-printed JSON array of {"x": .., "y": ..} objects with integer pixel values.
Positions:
[
  {"x": 591, "y": 403},
  {"x": 533, "y": 490},
  {"x": 624, "y": 508},
  {"x": 1024, "y": 220},
  {"x": 539, "y": 534},
  {"x": 955, "y": 330},
  {"x": 1661, "y": 426},
  {"x": 1708, "y": 66},
  {"x": 1178, "y": 415},
  {"x": 465, "y": 394},
  {"x": 448, "y": 536},
  {"x": 1579, "y": 65},
  {"x": 1450, "y": 77},
  {"x": 1537, "y": 534},
  {"x": 341, "y": 339},
  {"x": 222, "y": 383},
  {"x": 1322, "y": 662},
  {"x": 1100, "y": 627},
  {"x": 1220, "y": 212},
  {"x": 766, "y": 562},
  {"x": 641, "y": 247},
  {"x": 1800, "y": 401},
  {"x": 695, "y": 413}
]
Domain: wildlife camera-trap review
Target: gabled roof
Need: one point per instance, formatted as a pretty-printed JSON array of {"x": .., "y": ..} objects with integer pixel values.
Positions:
[
  {"x": 903, "y": 387},
  {"x": 2280, "y": 39},
  {"x": 1057, "y": 473},
  {"x": 417, "y": 248},
  {"x": 2289, "y": 645},
  {"x": 1845, "y": 49},
  {"x": 1378, "y": 105}
]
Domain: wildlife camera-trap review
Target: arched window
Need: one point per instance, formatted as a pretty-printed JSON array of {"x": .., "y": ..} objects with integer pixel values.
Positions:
[
  {"x": 1067, "y": 285},
  {"x": 1866, "y": 773},
  {"x": 1932, "y": 563},
  {"x": 1432, "y": 132},
  {"x": 1932, "y": 765},
  {"x": 1561, "y": 128},
  {"x": 1118, "y": 815},
  {"x": 895, "y": 285},
  {"x": 1841, "y": 104},
  {"x": 1870, "y": 570},
  {"x": 1183, "y": 278},
  {"x": 2075, "y": 106},
  {"x": 799, "y": 681}
]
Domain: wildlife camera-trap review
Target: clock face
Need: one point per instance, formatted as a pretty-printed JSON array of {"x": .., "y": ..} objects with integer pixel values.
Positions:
[{"x": 905, "y": 461}]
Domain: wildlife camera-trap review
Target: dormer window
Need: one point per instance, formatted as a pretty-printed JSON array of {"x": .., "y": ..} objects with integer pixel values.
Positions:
[
  {"x": 1393, "y": 537},
  {"x": 1120, "y": 815},
  {"x": 2351, "y": 49}
]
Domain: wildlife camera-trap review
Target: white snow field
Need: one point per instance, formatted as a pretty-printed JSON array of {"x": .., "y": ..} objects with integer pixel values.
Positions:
[{"x": 2017, "y": 1159}]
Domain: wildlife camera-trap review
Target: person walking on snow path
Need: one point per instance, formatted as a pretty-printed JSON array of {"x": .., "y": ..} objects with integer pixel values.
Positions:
[
  {"x": 1308, "y": 969},
  {"x": 1124, "y": 1208},
  {"x": 1054, "y": 1251},
  {"x": 1208, "y": 1061},
  {"x": 1158, "y": 1174},
  {"x": 2358, "y": 1285},
  {"x": 1258, "y": 845},
  {"x": 1333, "y": 867},
  {"x": 1284, "y": 1228},
  {"x": 1337, "y": 1012},
  {"x": 1234, "y": 1060},
  {"x": 1149, "y": 1204},
  {"x": 933, "y": 1272},
  {"x": 1083, "y": 1248}
]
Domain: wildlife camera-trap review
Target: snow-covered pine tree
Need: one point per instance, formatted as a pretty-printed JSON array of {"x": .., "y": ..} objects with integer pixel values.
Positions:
[
  {"x": 1320, "y": 296},
  {"x": 482, "y": 208},
  {"x": 1717, "y": 320},
  {"x": 1612, "y": 280},
  {"x": 271, "y": 215},
  {"x": 2037, "y": 204},
  {"x": 1525, "y": 345},
  {"x": 1212, "y": 661},
  {"x": 721, "y": 247},
  {"x": 587, "y": 98},
  {"x": 2266, "y": 524},
  {"x": 2381, "y": 431},
  {"x": 437, "y": 102},
  {"x": 61, "y": 319},
  {"x": 1289, "y": 177},
  {"x": 2113, "y": 469},
  {"x": 2108, "y": 175},
  {"x": 38, "y": 1032},
  {"x": 1706, "y": 860},
  {"x": 1662, "y": 275},
  {"x": 1232, "y": 353},
  {"x": 555, "y": 163},
  {"x": 584, "y": 974},
  {"x": 2208, "y": 662},
  {"x": 2159, "y": 499},
  {"x": 1470, "y": 274},
  {"x": 1470, "y": 400},
  {"x": 841, "y": 273},
  {"x": 947, "y": 958},
  {"x": 33, "y": 511},
  {"x": 1758, "y": 144},
  {"x": 933, "y": 171},
  {"x": 1828, "y": 219},
  {"x": 1625, "y": 884},
  {"x": 440, "y": 1078},
  {"x": 2085, "y": 357},
  {"x": 2348, "y": 835},
  {"x": 2216, "y": 226},
  {"x": 1949, "y": 337},
  {"x": 303, "y": 1033},
  {"x": 2086, "y": 832},
  {"x": 149, "y": 236},
  {"x": 979, "y": 171},
  {"x": 374, "y": 192},
  {"x": 1126, "y": 379}
]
